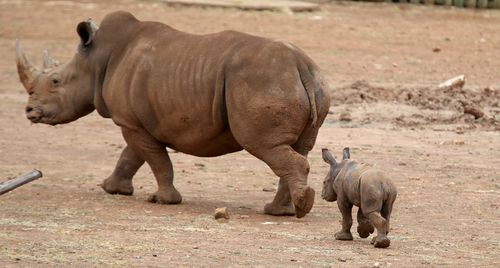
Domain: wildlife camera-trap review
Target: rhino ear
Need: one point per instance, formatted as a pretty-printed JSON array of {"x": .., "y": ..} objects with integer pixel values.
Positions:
[
  {"x": 346, "y": 154},
  {"x": 86, "y": 30},
  {"x": 327, "y": 157}
]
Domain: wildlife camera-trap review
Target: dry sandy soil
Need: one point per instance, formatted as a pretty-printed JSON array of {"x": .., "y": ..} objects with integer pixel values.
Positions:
[{"x": 383, "y": 62}]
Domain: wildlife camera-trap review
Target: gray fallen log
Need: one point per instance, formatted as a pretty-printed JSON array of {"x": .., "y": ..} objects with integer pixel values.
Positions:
[{"x": 19, "y": 181}]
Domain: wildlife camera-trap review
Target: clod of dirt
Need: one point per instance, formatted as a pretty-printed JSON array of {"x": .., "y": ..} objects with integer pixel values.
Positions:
[
  {"x": 345, "y": 116},
  {"x": 473, "y": 110},
  {"x": 221, "y": 213}
]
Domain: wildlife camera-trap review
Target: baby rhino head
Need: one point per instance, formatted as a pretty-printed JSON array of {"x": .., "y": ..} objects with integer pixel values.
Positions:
[{"x": 328, "y": 193}]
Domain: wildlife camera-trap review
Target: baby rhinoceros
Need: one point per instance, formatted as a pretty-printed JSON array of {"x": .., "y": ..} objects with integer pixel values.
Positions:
[{"x": 351, "y": 183}]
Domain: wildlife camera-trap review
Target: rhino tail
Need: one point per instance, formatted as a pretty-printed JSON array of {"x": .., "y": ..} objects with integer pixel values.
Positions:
[{"x": 310, "y": 84}]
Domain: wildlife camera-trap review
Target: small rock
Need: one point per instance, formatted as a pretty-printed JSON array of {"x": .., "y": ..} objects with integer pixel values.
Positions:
[
  {"x": 221, "y": 213},
  {"x": 436, "y": 50},
  {"x": 155, "y": 255},
  {"x": 345, "y": 116},
  {"x": 196, "y": 247},
  {"x": 473, "y": 110},
  {"x": 268, "y": 189},
  {"x": 199, "y": 165},
  {"x": 376, "y": 265},
  {"x": 341, "y": 259}
]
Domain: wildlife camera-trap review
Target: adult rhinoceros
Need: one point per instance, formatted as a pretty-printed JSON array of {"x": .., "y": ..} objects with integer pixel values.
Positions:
[{"x": 204, "y": 95}]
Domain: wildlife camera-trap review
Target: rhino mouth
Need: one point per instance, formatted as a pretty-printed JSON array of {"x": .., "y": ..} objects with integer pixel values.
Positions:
[{"x": 36, "y": 115}]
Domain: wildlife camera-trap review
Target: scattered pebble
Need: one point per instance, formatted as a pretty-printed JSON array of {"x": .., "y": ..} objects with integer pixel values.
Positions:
[
  {"x": 345, "y": 116},
  {"x": 269, "y": 223}
]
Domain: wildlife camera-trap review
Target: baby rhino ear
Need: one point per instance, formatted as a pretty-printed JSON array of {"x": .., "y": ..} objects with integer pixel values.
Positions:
[
  {"x": 327, "y": 157},
  {"x": 346, "y": 154}
]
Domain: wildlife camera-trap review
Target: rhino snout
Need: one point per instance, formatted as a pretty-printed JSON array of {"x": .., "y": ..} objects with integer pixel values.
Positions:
[{"x": 33, "y": 114}]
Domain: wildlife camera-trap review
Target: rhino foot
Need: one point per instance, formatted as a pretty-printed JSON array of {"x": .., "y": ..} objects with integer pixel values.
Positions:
[
  {"x": 277, "y": 210},
  {"x": 365, "y": 229},
  {"x": 171, "y": 196},
  {"x": 304, "y": 202},
  {"x": 113, "y": 185},
  {"x": 343, "y": 236},
  {"x": 381, "y": 242}
]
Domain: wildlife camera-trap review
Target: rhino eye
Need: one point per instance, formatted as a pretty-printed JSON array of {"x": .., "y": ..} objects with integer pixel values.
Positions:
[{"x": 56, "y": 82}]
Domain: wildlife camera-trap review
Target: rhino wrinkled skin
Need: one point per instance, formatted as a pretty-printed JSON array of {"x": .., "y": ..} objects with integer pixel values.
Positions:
[
  {"x": 204, "y": 95},
  {"x": 351, "y": 183}
]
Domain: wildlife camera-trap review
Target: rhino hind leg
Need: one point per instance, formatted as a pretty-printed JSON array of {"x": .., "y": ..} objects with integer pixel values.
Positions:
[
  {"x": 381, "y": 240},
  {"x": 282, "y": 203},
  {"x": 120, "y": 181},
  {"x": 365, "y": 228},
  {"x": 387, "y": 210},
  {"x": 155, "y": 154},
  {"x": 292, "y": 168}
]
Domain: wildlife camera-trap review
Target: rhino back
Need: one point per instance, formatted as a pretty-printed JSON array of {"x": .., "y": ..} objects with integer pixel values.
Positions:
[{"x": 172, "y": 84}]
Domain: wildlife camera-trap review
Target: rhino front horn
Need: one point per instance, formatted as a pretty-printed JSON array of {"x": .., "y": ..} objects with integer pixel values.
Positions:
[
  {"x": 48, "y": 62},
  {"x": 25, "y": 69}
]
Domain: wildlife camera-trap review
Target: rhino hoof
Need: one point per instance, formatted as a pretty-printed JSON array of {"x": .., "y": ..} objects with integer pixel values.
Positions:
[
  {"x": 277, "y": 210},
  {"x": 113, "y": 185},
  {"x": 381, "y": 242},
  {"x": 343, "y": 236},
  {"x": 304, "y": 203},
  {"x": 170, "y": 197}
]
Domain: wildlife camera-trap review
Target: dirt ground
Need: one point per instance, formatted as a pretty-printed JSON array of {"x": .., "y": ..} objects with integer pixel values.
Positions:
[{"x": 383, "y": 61}]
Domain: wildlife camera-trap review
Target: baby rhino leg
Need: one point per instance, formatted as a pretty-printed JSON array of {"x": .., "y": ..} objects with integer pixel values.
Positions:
[
  {"x": 381, "y": 240},
  {"x": 365, "y": 228},
  {"x": 346, "y": 210}
]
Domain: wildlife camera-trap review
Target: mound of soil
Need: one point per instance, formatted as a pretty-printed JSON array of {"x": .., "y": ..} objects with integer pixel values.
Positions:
[{"x": 477, "y": 108}]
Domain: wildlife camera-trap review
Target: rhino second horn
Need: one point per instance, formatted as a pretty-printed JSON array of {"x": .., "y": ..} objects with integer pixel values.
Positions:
[
  {"x": 48, "y": 62},
  {"x": 25, "y": 68}
]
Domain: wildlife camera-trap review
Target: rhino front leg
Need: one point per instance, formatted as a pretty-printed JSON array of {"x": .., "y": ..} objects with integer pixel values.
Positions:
[
  {"x": 282, "y": 203},
  {"x": 155, "y": 154},
  {"x": 120, "y": 181},
  {"x": 346, "y": 210}
]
